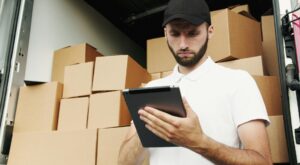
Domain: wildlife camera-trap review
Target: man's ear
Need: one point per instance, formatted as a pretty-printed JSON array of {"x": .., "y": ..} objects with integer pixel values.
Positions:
[{"x": 210, "y": 31}]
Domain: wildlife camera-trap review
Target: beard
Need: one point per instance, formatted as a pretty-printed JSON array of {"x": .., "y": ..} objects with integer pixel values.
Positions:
[{"x": 189, "y": 61}]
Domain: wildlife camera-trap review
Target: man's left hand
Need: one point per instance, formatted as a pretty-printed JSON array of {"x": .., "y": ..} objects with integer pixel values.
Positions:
[{"x": 185, "y": 132}]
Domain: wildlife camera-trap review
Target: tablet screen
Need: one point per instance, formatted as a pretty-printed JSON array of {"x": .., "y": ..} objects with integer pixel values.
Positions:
[{"x": 164, "y": 98}]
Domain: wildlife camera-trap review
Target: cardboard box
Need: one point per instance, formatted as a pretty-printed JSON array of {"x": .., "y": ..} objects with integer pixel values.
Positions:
[
  {"x": 73, "y": 114},
  {"x": 277, "y": 140},
  {"x": 240, "y": 8},
  {"x": 235, "y": 36},
  {"x": 108, "y": 110},
  {"x": 117, "y": 73},
  {"x": 270, "y": 57},
  {"x": 155, "y": 76},
  {"x": 54, "y": 148},
  {"x": 253, "y": 65},
  {"x": 109, "y": 143},
  {"x": 37, "y": 108},
  {"x": 71, "y": 55},
  {"x": 78, "y": 80},
  {"x": 270, "y": 90},
  {"x": 159, "y": 57}
]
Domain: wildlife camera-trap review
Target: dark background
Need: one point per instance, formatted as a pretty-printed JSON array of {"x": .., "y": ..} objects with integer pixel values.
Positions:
[{"x": 142, "y": 19}]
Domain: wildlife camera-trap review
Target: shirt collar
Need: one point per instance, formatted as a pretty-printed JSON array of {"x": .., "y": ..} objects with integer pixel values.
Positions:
[{"x": 195, "y": 74}]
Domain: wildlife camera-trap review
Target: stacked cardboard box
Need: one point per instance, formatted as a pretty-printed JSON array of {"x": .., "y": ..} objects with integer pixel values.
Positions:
[
  {"x": 117, "y": 73},
  {"x": 237, "y": 44},
  {"x": 56, "y": 147},
  {"x": 92, "y": 116},
  {"x": 78, "y": 80},
  {"x": 270, "y": 58},
  {"x": 108, "y": 110},
  {"x": 38, "y": 107},
  {"x": 73, "y": 113},
  {"x": 235, "y": 36},
  {"x": 70, "y": 55},
  {"x": 240, "y": 8}
]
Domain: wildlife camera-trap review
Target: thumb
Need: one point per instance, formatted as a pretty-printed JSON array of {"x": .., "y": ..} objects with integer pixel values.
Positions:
[{"x": 187, "y": 107}]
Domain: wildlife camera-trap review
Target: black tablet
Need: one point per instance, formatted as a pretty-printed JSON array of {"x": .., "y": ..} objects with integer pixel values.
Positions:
[{"x": 164, "y": 98}]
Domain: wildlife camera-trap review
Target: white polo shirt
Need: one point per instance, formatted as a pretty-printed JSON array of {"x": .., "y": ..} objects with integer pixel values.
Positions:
[{"x": 222, "y": 98}]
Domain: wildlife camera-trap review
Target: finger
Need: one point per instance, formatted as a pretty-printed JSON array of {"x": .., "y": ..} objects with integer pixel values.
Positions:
[
  {"x": 157, "y": 133},
  {"x": 187, "y": 107},
  {"x": 167, "y": 118},
  {"x": 154, "y": 125},
  {"x": 154, "y": 121}
]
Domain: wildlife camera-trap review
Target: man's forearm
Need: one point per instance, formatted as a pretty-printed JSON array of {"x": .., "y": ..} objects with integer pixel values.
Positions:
[
  {"x": 225, "y": 155},
  {"x": 131, "y": 151}
]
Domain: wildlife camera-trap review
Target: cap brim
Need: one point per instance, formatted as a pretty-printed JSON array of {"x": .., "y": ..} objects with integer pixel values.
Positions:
[{"x": 191, "y": 19}]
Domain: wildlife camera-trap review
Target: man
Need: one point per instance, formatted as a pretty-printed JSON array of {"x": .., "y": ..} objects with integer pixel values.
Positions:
[{"x": 226, "y": 116}]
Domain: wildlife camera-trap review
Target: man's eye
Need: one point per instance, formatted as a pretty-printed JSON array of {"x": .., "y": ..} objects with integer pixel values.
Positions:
[
  {"x": 193, "y": 34},
  {"x": 174, "y": 34}
]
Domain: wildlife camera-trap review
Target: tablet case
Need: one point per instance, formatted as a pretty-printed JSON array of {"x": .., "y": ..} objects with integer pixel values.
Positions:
[{"x": 164, "y": 98}]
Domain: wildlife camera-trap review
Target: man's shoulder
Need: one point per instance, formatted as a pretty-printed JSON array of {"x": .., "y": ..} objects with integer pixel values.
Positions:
[
  {"x": 233, "y": 76},
  {"x": 238, "y": 73}
]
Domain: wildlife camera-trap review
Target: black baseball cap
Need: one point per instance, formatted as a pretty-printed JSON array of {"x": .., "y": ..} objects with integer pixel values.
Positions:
[{"x": 193, "y": 11}]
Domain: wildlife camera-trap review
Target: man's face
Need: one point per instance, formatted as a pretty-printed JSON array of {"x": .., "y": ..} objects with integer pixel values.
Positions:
[{"x": 187, "y": 42}]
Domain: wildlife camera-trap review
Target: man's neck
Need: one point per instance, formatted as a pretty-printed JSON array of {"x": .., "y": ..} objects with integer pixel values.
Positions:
[{"x": 186, "y": 70}]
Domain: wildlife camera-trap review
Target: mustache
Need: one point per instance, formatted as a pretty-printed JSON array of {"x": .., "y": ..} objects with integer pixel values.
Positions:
[{"x": 185, "y": 51}]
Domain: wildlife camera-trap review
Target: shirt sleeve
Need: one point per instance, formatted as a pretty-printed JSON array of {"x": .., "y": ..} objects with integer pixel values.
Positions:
[{"x": 247, "y": 102}]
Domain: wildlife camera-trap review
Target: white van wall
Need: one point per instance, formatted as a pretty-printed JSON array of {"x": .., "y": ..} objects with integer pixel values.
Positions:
[{"x": 59, "y": 23}]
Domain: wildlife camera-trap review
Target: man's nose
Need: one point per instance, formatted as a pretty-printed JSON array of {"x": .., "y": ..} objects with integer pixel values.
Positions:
[{"x": 183, "y": 42}]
